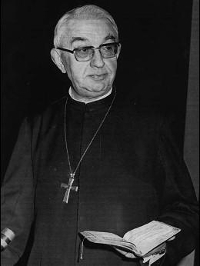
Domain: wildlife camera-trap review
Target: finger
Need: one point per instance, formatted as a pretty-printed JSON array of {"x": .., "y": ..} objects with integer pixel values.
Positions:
[
  {"x": 158, "y": 249},
  {"x": 129, "y": 255},
  {"x": 172, "y": 238}
]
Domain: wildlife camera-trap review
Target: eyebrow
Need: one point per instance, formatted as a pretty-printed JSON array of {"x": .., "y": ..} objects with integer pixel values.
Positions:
[
  {"x": 82, "y": 39},
  {"x": 110, "y": 37}
]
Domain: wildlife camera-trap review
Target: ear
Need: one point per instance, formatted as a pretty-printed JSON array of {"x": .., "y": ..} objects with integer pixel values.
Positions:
[
  {"x": 119, "y": 50},
  {"x": 55, "y": 56}
]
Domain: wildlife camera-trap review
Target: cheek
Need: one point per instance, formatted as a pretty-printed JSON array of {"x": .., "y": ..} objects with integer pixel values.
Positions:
[
  {"x": 77, "y": 72},
  {"x": 75, "y": 69},
  {"x": 112, "y": 67},
  {"x": 78, "y": 76}
]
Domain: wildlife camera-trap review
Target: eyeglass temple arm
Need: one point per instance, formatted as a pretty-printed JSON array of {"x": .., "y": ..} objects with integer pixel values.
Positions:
[
  {"x": 70, "y": 51},
  {"x": 64, "y": 49}
]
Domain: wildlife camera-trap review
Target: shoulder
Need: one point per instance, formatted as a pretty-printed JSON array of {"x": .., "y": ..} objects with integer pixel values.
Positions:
[
  {"x": 41, "y": 121},
  {"x": 46, "y": 115}
]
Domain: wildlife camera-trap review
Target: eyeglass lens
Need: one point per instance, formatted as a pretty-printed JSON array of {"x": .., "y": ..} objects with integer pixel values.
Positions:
[{"x": 86, "y": 53}]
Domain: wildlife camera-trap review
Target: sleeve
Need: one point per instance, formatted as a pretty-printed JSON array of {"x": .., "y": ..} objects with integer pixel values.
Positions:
[
  {"x": 17, "y": 196},
  {"x": 179, "y": 203}
]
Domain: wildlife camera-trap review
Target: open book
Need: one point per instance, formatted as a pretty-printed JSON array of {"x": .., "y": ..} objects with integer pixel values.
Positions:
[{"x": 140, "y": 241}]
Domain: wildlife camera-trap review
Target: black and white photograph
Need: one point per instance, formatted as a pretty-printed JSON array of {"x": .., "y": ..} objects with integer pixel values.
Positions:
[{"x": 100, "y": 133}]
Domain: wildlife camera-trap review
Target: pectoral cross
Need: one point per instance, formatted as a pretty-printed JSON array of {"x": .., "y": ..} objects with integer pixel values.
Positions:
[{"x": 69, "y": 187}]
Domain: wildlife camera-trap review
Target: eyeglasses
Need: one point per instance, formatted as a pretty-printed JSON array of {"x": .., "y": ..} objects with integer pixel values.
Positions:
[{"x": 86, "y": 53}]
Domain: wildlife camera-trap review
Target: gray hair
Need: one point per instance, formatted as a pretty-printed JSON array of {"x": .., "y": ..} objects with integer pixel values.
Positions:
[{"x": 83, "y": 12}]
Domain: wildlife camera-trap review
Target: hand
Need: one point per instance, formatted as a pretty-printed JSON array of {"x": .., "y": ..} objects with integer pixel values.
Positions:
[
  {"x": 130, "y": 255},
  {"x": 172, "y": 238},
  {"x": 159, "y": 249},
  {"x": 154, "y": 255}
]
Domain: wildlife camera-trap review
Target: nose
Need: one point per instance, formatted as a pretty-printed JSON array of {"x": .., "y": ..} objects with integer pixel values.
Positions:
[{"x": 97, "y": 60}]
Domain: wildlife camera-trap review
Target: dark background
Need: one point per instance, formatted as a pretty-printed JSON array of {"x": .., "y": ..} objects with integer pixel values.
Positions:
[
  {"x": 155, "y": 37},
  {"x": 153, "y": 65}
]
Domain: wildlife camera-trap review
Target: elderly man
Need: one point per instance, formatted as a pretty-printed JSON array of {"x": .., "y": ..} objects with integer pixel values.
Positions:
[{"x": 92, "y": 162}]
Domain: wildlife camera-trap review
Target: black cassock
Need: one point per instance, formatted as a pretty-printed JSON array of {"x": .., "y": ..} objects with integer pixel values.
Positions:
[{"x": 131, "y": 174}]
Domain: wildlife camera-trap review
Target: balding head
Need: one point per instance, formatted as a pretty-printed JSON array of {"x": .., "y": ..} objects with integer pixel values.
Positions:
[{"x": 86, "y": 12}]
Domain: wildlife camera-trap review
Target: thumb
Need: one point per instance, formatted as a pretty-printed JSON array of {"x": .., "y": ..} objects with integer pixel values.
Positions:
[{"x": 172, "y": 238}]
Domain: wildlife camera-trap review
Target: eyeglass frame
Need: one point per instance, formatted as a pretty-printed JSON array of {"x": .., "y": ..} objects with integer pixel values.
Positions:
[{"x": 94, "y": 48}]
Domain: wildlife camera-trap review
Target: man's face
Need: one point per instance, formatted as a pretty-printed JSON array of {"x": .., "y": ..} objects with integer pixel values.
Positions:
[{"x": 93, "y": 78}]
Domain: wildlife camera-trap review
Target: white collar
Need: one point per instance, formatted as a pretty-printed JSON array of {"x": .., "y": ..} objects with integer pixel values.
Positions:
[{"x": 88, "y": 101}]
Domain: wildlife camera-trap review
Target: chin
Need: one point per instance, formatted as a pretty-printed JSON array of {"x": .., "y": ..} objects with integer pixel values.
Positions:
[
  {"x": 99, "y": 91},
  {"x": 99, "y": 88},
  {"x": 93, "y": 90}
]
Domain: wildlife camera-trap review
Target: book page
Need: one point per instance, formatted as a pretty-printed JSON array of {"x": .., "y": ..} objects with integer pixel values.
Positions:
[
  {"x": 100, "y": 236},
  {"x": 109, "y": 239},
  {"x": 150, "y": 235},
  {"x": 139, "y": 241}
]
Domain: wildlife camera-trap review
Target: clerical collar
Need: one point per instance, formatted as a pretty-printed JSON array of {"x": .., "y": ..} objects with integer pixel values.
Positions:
[
  {"x": 99, "y": 104},
  {"x": 89, "y": 101}
]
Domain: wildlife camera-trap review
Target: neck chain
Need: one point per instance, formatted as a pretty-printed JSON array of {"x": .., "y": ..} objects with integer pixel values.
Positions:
[{"x": 70, "y": 186}]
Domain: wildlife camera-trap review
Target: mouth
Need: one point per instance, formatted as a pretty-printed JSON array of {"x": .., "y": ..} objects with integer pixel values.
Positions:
[{"x": 98, "y": 77}]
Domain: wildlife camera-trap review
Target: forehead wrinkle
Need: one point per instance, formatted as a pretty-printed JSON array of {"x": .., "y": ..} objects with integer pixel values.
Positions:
[
  {"x": 78, "y": 39},
  {"x": 81, "y": 34},
  {"x": 82, "y": 39},
  {"x": 110, "y": 37}
]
